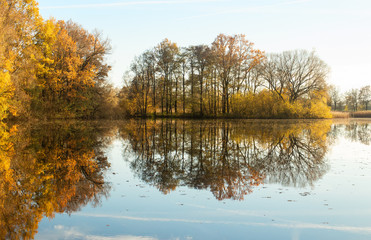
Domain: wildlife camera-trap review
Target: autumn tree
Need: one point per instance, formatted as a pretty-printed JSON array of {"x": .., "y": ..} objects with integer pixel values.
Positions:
[
  {"x": 234, "y": 59},
  {"x": 72, "y": 72},
  {"x": 6, "y": 86},
  {"x": 18, "y": 22},
  {"x": 225, "y": 59},
  {"x": 49, "y": 68}
]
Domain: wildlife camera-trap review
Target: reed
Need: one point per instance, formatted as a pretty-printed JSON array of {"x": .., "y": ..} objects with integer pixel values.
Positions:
[
  {"x": 358, "y": 114},
  {"x": 361, "y": 114},
  {"x": 336, "y": 114}
]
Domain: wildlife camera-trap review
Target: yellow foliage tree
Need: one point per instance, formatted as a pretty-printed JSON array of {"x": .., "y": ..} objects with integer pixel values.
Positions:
[{"x": 18, "y": 22}]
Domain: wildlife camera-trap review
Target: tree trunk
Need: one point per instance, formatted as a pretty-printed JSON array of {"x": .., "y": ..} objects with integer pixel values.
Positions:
[
  {"x": 201, "y": 92},
  {"x": 183, "y": 93},
  {"x": 154, "y": 94}
]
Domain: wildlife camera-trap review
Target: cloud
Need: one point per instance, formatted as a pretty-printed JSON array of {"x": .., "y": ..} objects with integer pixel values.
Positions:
[
  {"x": 293, "y": 225},
  {"x": 130, "y": 3},
  {"x": 64, "y": 232},
  {"x": 119, "y": 237}
]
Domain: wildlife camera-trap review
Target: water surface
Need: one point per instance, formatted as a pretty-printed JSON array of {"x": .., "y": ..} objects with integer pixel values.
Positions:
[{"x": 186, "y": 179}]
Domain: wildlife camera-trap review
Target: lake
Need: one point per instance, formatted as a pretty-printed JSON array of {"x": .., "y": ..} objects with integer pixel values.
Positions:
[{"x": 186, "y": 179}]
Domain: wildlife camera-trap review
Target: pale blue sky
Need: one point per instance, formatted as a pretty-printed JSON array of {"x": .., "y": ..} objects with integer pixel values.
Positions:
[{"x": 339, "y": 30}]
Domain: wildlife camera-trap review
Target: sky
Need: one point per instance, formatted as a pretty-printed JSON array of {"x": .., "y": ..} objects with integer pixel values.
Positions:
[{"x": 338, "y": 30}]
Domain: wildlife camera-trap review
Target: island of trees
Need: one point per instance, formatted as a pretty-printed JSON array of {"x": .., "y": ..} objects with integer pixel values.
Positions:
[
  {"x": 229, "y": 78},
  {"x": 57, "y": 69}
]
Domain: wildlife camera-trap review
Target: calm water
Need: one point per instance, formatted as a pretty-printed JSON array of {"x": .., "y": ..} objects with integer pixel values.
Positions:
[{"x": 186, "y": 180}]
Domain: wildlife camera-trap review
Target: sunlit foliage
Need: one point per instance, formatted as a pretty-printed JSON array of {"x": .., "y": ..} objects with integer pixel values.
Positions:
[
  {"x": 18, "y": 22},
  {"x": 49, "y": 68}
]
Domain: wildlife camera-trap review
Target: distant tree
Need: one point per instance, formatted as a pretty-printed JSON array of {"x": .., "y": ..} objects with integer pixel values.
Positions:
[
  {"x": 335, "y": 97},
  {"x": 352, "y": 99},
  {"x": 365, "y": 96}
]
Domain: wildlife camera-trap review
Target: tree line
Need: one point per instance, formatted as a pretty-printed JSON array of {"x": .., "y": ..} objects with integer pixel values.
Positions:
[
  {"x": 227, "y": 78},
  {"x": 57, "y": 69},
  {"x": 352, "y": 100},
  {"x": 50, "y": 68}
]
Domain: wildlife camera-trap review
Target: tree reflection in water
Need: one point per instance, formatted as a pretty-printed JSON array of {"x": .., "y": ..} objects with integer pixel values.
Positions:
[
  {"x": 54, "y": 168},
  {"x": 227, "y": 157},
  {"x": 355, "y": 130},
  {"x": 359, "y": 132},
  {"x": 48, "y": 169}
]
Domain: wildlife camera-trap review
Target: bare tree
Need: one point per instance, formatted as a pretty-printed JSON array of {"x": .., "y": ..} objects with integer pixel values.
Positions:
[
  {"x": 365, "y": 96},
  {"x": 166, "y": 53},
  {"x": 254, "y": 79},
  {"x": 201, "y": 54},
  {"x": 352, "y": 99},
  {"x": 335, "y": 97},
  {"x": 295, "y": 73},
  {"x": 181, "y": 73}
]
